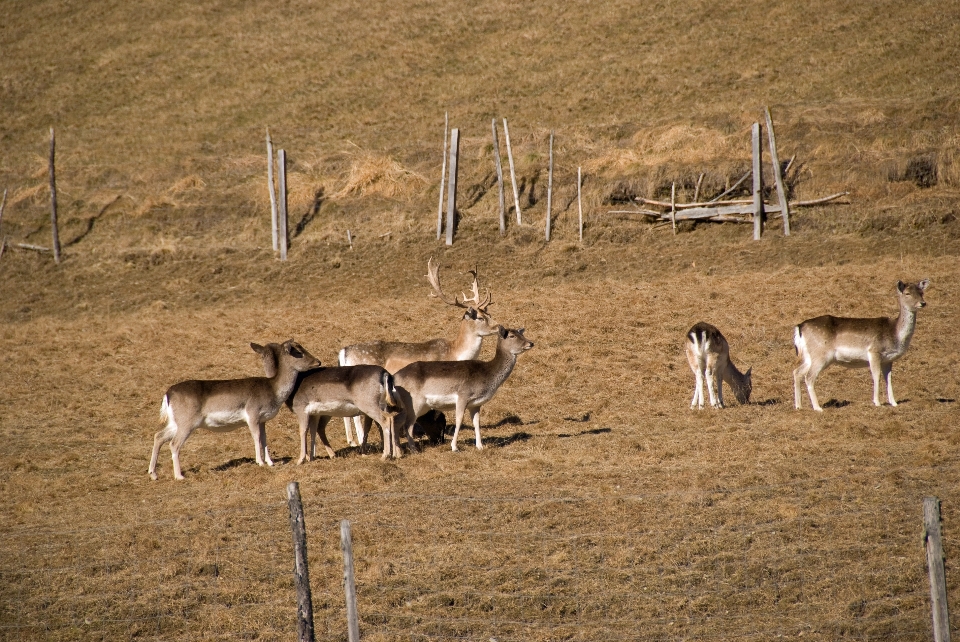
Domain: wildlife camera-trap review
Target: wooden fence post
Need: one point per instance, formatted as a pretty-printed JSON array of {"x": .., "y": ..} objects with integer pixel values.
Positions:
[
  {"x": 579, "y": 201},
  {"x": 452, "y": 184},
  {"x": 550, "y": 188},
  {"x": 443, "y": 174},
  {"x": 757, "y": 184},
  {"x": 496, "y": 155},
  {"x": 777, "y": 175},
  {"x": 301, "y": 572},
  {"x": 3, "y": 239},
  {"x": 349, "y": 584},
  {"x": 513, "y": 173},
  {"x": 53, "y": 200},
  {"x": 673, "y": 205},
  {"x": 938, "y": 582},
  {"x": 273, "y": 192},
  {"x": 282, "y": 232}
]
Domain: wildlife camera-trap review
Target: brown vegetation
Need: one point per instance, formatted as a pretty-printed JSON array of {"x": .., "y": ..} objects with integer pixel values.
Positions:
[{"x": 602, "y": 508}]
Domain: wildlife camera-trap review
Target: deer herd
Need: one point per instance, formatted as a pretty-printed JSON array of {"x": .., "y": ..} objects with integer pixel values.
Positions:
[{"x": 404, "y": 386}]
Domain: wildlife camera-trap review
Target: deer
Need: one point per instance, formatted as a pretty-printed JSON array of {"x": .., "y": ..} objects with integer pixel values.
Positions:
[
  {"x": 345, "y": 392},
  {"x": 475, "y": 324},
  {"x": 458, "y": 386},
  {"x": 708, "y": 354},
  {"x": 225, "y": 405},
  {"x": 857, "y": 343}
]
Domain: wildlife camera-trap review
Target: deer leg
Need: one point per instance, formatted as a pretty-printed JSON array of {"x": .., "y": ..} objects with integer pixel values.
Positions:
[
  {"x": 798, "y": 374},
  {"x": 361, "y": 426},
  {"x": 320, "y": 428},
  {"x": 348, "y": 425},
  {"x": 810, "y": 377},
  {"x": 306, "y": 421},
  {"x": 162, "y": 437},
  {"x": 697, "y": 389},
  {"x": 475, "y": 420},
  {"x": 711, "y": 378},
  {"x": 461, "y": 408},
  {"x": 874, "y": 361},
  {"x": 178, "y": 440},
  {"x": 887, "y": 369}
]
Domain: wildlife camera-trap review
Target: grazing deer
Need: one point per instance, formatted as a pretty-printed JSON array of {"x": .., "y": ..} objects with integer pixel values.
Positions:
[
  {"x": 459, "y": 386},
  {"x": 857, "y": 343},
  {"x": 345, "y": 392},
  {"x": 222, "y": 406},
  {"x": 475, "y": 324},
  {"x": 708, "y": 354}
]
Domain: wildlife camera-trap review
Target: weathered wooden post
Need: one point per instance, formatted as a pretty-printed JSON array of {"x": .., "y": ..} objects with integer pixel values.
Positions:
[
  {"x": 53, "y": 200},
  {"x": 301, "y": 573},
  {"x": 550, "y": 188},
  {"x": 499, "y": 164},
  {"x": 938, "y": 581},
  {"x": 452, "y": 184},
  {"x": 673, "y": 205},
  {"x": 349, "y": 584},
  {"x": 757, "y": 184},
  {"x": 282, "y": 232},
  {"x": 443, "y": 174},
  {"x": 513, "y": 173},
  {"x": 580, "y": 202},
  {"x": 273, "y": 192},
  {"x": 777, "y": 174}
]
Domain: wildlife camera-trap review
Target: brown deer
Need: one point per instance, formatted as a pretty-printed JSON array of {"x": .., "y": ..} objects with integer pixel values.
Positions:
[
  {"x": 709, "y": 357},
  {"x": 857, "y": 343},
  {"x": 475, "y": 324},
  {"x": 458, "y": 386},
  {"x": 222, "y": 406},
  {"x": 345, "y": 392}
]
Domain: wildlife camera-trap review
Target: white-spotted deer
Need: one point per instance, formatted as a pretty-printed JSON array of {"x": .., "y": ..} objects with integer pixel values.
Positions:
[
  {"x": 345, "y": 392},
  {"x": 458, "y": 386},
  {"x": 475, "y": 324},
  {"x": 708, "y": 354},
  {"x": 857, "y": 343},
  {"x": 225, "y": 405}
]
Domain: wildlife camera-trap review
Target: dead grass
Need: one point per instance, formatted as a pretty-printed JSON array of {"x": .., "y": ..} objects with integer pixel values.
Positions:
[{"x": 602, "y": 508}]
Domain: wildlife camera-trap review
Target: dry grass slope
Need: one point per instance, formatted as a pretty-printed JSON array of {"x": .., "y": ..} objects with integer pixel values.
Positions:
[{"x": 602, "y": 508}]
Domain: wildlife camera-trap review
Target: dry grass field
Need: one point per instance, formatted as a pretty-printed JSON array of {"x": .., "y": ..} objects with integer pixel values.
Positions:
[{"x": 602, "y": 507}]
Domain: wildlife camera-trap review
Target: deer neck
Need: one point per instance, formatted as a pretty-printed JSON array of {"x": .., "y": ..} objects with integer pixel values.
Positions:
[
  {"x": 467, "y": 344},
  {"x": 737, "y": 381},
  {"x": 500, "y": 367},
  {"x": 903, "y": 329},
  {"x": 283, "y": 382}
]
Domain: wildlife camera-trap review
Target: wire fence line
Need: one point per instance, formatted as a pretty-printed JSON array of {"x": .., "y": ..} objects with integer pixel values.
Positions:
[{"x": 797, "y": 559}]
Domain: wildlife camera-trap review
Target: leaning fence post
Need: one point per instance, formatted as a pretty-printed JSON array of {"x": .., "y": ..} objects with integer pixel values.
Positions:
[
  {"x": 938, "y": 582},
  {"x": 513, "y": 172},
  {"x": 273, "y": 192},
  {"x": 53, "y": 201},
  {"x": 349, "y": 585},
  {"x": 282, "y": 233},
  {"x": 550, "y": 188},
  {"x": 301, "y": 573},
  {"x": 777, "y": 174},
  {"x": 499, "y": 164},
  {"x": 443, "y": 174},
  {"x": 580, "y": 202},
  {"x": 757, "y": 184},
  {"x": 452, "y": 184}
]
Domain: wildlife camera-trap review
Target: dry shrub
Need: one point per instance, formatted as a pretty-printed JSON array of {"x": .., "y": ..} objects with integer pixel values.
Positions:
[{"x": 375, "y": 175}]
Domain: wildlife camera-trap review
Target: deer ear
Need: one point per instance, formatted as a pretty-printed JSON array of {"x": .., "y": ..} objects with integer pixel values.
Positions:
[
  {"x": 503, "y": 332},
  {"x": 923, "y": 285},
  {"x": 521, "y": 330},
  {"x": 268, "y": 357},
  {"x": 901, "y": 286}
]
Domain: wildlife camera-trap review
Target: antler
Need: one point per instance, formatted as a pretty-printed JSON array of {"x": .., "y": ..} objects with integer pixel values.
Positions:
[
  {"x": 477, "y": 303},
  {"x": 433, "y": 275}
]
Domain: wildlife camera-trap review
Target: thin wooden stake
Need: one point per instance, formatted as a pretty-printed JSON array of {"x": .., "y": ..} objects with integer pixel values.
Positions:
[
  {"x": 273, "y": 192},
  {"x": 696, "y": 192},
  {"x": 938, "y": 583},
  {"x": 3, "y": 205},
  {"x": 499, "y": 164},
  {"x": 757, "y": 184},
  {"x": 580, "y": 201},
  {"x": 452, "y": 184},
  {"x": 443, "y": 174},
  {"x": 673, "y": 206},
  {"x": 513, "y": 173},
  {"x": 349, "y": 239},
  {"x": 282, "y": 227},
  {"x": 550, "y": 188},
  {"x": 53, "y": 200},
  {"x": 301, "y": 571},
  {"x": 349, "y": 584},
  {"x": 777, "y": 176}
]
